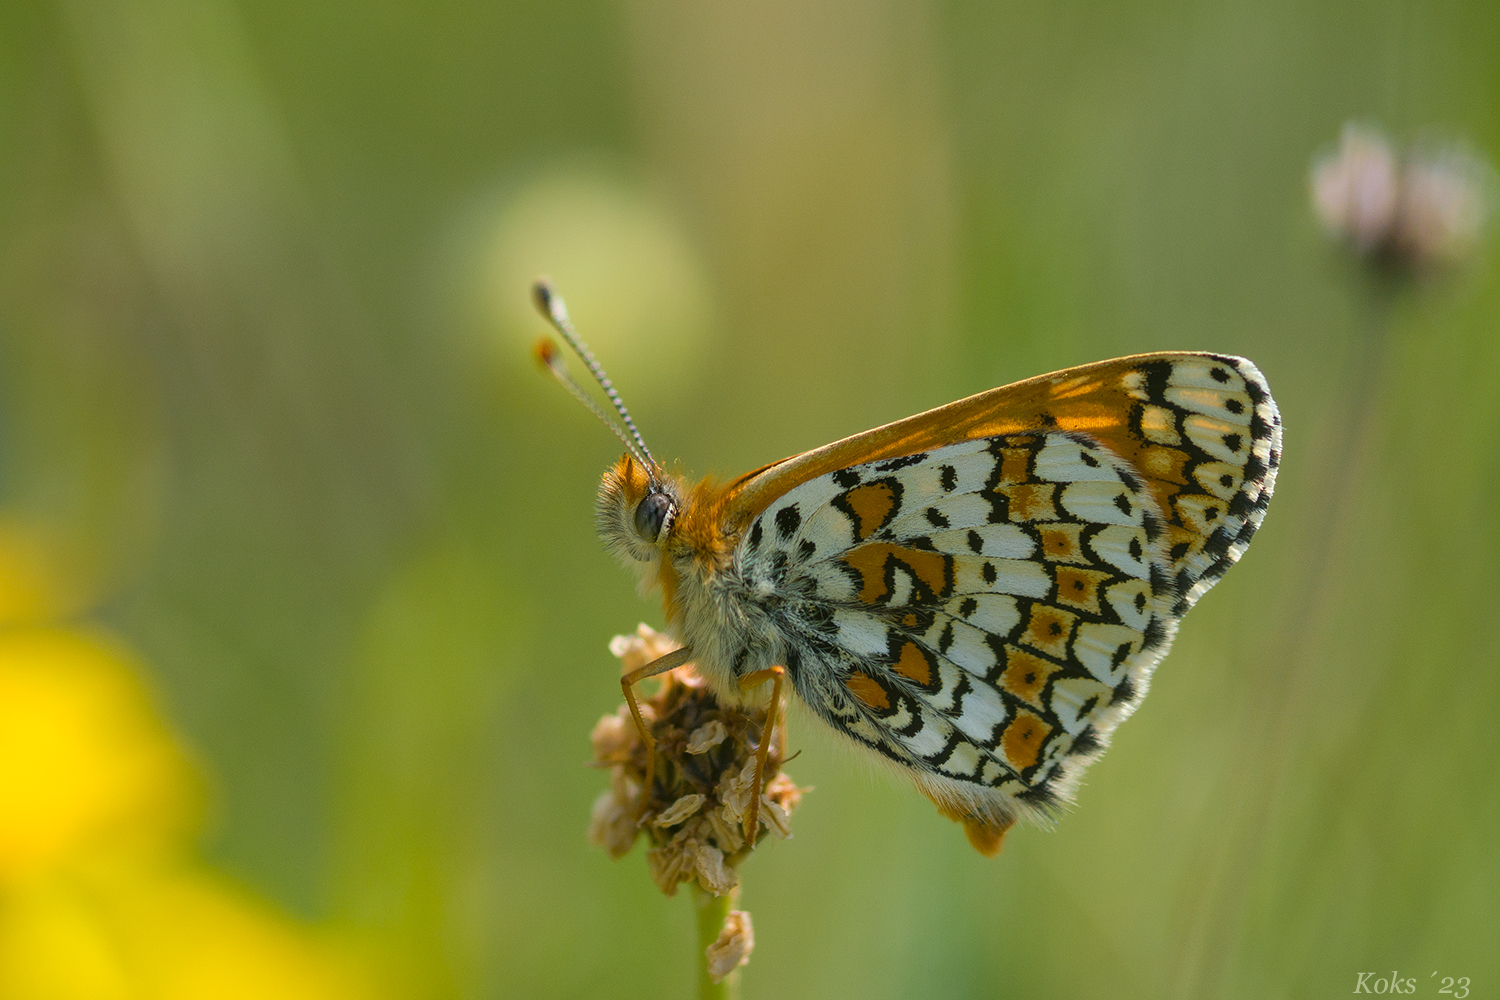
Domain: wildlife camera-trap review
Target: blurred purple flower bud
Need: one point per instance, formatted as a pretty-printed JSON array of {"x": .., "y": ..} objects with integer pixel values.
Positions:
[
  {"x": 1446, "y": 198},
  {"x": 1421, "y": 211},
  {"x": 1354, "y": 190}
]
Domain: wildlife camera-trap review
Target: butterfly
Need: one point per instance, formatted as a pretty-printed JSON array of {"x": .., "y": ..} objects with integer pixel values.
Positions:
[{"x": 976, "y": 595}]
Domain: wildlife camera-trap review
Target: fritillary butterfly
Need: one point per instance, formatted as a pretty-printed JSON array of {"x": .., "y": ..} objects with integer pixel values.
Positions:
[{"x": 976, "y": 595}]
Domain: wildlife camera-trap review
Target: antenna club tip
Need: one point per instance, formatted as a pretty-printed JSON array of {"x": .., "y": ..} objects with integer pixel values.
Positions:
[
  {"x": 545, "y": 352},
  {"x": 547, "y": 301},
  {"x": 541, "y": 294}
]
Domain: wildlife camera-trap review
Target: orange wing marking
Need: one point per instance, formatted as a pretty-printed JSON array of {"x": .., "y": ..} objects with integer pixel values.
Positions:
[
  {"x": 1030, "y": 501},
  {"x": 1079, "y": 588},
  {"x": 1026, "y": 675},
  {"x": 931, "y": 568},
  {"x": 986, "y": 836},
  {"x": 868, "y": 690},
  {"x": 1164, "y": 463},
  {"x": 1061, "y": 543},
  {"x": 1015, "y": 464},
  {"x": 1048, "y": 629},
  {"x": 1022, "y": 740},
  {"x": 1091, "y": 423},
  {"x": 913, "y": 665},
  {"x": 872, "y": 506}
]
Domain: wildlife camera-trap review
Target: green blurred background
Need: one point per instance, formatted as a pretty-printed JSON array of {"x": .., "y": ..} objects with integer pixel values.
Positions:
[{"x": 265, "y": 383}]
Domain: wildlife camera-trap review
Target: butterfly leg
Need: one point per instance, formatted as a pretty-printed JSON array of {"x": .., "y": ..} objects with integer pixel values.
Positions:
[
  {"x": 775, "y": 675},
  {"x": 660, "y": 665}
]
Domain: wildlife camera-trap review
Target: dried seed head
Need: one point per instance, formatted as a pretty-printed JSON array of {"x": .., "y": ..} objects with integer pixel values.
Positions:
[{"x": 694, "y": 812}]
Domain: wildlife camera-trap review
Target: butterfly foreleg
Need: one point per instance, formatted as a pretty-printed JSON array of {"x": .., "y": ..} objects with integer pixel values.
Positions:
[
  {"x": 775, "y": 675},
  {"x": 660, "y": 665}
]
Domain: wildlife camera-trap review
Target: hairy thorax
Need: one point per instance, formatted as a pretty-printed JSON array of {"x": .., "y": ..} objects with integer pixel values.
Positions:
[
  {"x": 727, "y": 623},
  {"x": 719, "y": 611}
]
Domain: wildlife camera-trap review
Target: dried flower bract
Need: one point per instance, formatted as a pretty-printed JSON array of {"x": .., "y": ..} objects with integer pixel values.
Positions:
[
  {"x": 694, "y": 812},
  {"x": 733, "y": 947}
]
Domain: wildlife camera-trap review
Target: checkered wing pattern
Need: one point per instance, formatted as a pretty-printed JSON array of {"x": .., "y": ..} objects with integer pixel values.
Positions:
[{"x": 985, "y": 611}]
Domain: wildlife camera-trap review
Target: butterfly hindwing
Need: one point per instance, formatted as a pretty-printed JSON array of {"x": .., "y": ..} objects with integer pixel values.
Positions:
[
  {"x": 975, "y": 629},
  {"x": 986, "y": 609}
]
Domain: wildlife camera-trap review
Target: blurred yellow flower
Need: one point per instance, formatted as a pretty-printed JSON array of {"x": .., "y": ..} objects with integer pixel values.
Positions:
[
  {"x": 83, "y": 761},
  {"x": 101, "y": 895},
  {"x": 105, "y": 930}
]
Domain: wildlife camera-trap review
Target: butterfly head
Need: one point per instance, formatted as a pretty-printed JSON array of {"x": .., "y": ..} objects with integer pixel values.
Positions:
[{"x": 636, "y": 511}]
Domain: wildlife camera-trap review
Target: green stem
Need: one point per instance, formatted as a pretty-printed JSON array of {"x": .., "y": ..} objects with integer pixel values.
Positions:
[{"x": 712, "y": 911}]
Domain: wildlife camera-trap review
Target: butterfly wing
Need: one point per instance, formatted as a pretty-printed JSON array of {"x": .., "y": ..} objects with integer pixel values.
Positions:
[{"x": 980, "y": 593}]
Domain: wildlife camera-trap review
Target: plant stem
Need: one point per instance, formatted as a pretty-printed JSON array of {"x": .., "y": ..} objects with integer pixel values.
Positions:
[{"x": 712, "y": 911}]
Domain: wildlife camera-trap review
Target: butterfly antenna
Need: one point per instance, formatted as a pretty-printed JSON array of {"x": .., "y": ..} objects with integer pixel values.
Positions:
[
  {"x": 551, "y": 359},
  {"x": 552, "y": 306}
]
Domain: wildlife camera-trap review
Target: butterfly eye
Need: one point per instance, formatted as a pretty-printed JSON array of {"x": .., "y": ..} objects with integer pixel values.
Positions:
[{"x": 652, "y": 515}]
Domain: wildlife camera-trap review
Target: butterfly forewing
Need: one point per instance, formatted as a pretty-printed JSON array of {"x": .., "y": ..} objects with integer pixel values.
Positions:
[{"x": 984, "y": 600}]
